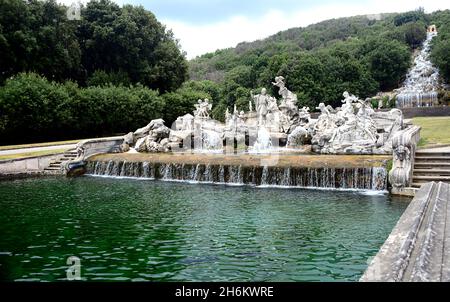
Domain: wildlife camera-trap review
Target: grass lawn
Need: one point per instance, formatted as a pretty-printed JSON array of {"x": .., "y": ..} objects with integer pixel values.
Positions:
[
  {"x": 31, "y": 154},
  {"x": 39, "y": 145},
  {"x": 435, "y": 130}
]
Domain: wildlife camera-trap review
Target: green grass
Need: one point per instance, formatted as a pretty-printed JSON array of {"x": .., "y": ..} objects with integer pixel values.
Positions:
[
  {"x": 435, "y": 130},
  {"x": 31, "y": 154}
]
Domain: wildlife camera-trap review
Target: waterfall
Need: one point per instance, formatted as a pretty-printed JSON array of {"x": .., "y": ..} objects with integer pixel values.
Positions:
[
  {"x": 263, "y": 142},
  {"x": 371, "y": 178},
  {"x": 211, "y": 142},
  {"x": 221, "y": 174},
  {"x": 422, "y": 81}
]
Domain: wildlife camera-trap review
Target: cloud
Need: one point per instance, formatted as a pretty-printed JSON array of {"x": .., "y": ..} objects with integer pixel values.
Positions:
[{"x": 200, "y": 39}]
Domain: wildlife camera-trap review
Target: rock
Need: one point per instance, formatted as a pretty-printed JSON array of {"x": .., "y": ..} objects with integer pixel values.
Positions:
[
  {"x": 297, "y": 137},
  {"x": 129, "y": 138},
  {"x": 140, "y": 145},
  {"x": 124, "y": 147},
  {"x": 179, "y": 136},
  {"x": 141, "y": 132},
  {"x": 173, "y": 146},
  {"x": 154, "y": 124},
  {"x": 160, "y": 132},
  {"x": 164, "y": 142}
]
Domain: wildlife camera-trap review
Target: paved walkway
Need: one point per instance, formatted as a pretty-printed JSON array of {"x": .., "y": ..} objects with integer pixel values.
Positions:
[{"x": 36, "y": 149}]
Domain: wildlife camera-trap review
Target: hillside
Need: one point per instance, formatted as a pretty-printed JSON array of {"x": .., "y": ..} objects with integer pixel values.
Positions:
[{"x": 362, "y": 54}]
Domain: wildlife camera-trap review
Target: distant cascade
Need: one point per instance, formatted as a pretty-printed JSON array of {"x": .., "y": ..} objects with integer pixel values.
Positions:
[
  {"x": 373, "y": 178},
  {"x": 422, "y": 81}
]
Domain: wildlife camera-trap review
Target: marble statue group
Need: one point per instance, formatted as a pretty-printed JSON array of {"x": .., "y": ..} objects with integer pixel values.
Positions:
[{"x": 353, "y": 128}]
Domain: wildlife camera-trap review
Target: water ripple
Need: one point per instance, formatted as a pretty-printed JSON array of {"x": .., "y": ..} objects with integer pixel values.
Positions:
[{"x": 124, "y": 230}]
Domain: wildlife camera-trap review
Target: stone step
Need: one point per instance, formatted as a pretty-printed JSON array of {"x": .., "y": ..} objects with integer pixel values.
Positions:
[
  {"x": 432, "y": 159},
  {"x": 428, "y": 178},
  {"x": 428, "y": 153},
  {"x": 423, "y": 165},
  {"x": 52, "y": 169},
  {"x": 66, "y": 158},
  {"x": 431, "y": 172}
]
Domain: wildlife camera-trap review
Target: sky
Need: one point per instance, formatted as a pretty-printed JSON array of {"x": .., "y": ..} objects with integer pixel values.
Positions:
[{"x": 203, "y": 26}]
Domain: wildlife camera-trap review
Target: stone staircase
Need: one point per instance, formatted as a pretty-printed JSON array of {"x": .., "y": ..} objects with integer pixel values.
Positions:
[
  {"x": 56, "y": 166},
  {"x": 431, "y": 166}
]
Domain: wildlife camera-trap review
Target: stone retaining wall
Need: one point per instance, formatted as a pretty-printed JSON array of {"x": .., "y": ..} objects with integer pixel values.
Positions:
[
  {"x": 418, "y": 247},
  {"x": 26, "y": 165}
]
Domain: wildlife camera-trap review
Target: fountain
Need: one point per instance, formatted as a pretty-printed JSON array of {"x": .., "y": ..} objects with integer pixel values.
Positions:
[
  {"x": 422, "y": 81},
  {"x": 263, "y": 142},
  {"x": 355, "y": 128},
  {"x": 368, "y": 178},
  {"x": 277, "y": 144}
]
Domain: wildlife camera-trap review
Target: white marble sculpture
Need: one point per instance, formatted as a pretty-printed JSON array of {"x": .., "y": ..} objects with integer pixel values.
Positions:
[
  {"x": 261, "y": 103},
  {"x": 404, "y": 145},
  {"x": 354, "y": 128},
  {"x": 289, "y": 100},
  {"x": 202, "y": 109}
]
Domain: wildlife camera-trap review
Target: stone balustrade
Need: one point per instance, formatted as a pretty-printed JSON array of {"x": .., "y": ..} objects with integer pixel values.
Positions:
[
  {"x": 404, "y": 144},
  {"x": 91, "y": 147}
]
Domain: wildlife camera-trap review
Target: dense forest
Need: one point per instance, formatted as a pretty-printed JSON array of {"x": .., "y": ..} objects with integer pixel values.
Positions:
[{"x": 116, "y": 68}]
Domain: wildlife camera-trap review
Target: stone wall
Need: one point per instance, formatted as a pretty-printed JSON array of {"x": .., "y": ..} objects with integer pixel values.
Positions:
[
  {"x": 26, "y": 165},
  {"x": 417, "y": 249},
  {"x": 100, "y": 145},
  {"x": 413, "y": 112},
  {"x": 425, "y": 111}
]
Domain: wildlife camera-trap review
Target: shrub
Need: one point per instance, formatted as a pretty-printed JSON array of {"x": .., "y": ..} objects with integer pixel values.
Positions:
[{"x": 34, "y": 109}]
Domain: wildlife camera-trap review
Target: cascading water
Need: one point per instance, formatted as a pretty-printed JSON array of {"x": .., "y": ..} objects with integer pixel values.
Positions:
[
  {"x": 263, "y": 142},
  {"x": 211, "y": 142},
  {"x": 422, "y": 81},
  {"x": 373, "y": 178}
]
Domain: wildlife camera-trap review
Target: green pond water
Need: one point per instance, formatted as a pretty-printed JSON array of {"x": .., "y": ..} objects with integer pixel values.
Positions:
[{"x": 149, "y": 230}]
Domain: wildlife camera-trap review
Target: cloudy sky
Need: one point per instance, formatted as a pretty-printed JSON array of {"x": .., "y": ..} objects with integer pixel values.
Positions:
[{"x": 206, "y": 25}]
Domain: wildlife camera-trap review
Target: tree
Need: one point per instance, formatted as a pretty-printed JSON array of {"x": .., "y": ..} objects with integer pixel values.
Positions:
[
  {"x": 411, "y": 16},
  {"x": 414, "y": 34},
  {"x": 129, "y": 43},
  {"x": 181, "y": 102},
  {"x": 441, "y": 43},
  {"x": 236, "y": 79},
  {"x": 388, "y": 61},
  {"x": 35, "y": 36},
  {"x": 440, "y": 57},
  {"x": 130, "y": 40},
  {"x": 33, "y": 108}
]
